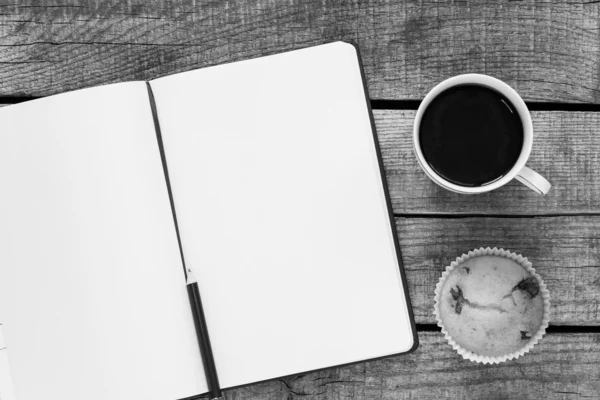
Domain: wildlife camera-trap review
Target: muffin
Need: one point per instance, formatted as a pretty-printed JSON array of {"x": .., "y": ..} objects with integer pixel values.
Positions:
[{"x": 491, "y": 305}]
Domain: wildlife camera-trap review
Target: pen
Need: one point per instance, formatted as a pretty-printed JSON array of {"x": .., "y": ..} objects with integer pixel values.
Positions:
[{"x": 210, "y": 369}]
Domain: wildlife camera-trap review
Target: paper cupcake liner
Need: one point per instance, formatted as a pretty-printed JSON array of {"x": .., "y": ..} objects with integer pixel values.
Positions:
[{"x": 469, "y": 355}]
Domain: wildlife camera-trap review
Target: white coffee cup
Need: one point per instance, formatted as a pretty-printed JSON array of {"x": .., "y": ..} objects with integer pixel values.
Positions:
[{"x": 522, "y": 173}]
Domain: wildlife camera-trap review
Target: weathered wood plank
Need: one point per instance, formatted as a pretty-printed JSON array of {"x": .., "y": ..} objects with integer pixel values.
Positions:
[
  {"x": 549, "y": 51},
  {"x": 565, "y": 251},
  {"x": 562, "y": 366},
  {"x": 566, "y": 150}
]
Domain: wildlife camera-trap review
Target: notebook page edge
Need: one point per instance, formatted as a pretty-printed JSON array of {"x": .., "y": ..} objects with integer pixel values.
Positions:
[
  {"x": 401, "y": 270},
  {"x": 71, "y": 99},
  {"x": 165, "y": 81}
]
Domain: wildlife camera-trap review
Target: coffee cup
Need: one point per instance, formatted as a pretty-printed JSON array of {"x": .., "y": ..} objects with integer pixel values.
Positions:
[{"x": 473, "y": 133}]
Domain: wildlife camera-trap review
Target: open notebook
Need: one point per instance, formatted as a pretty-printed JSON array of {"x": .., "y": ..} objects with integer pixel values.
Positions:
[{"x": 283, "y": 216}]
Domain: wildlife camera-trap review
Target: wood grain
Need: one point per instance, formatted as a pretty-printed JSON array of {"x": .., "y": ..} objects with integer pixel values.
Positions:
[
  {"x": 565, "y": 251},
  {"x": 561, "y": 366},
  {"x": 566, "y": 150},
  {"x": 548, "y": 51}
]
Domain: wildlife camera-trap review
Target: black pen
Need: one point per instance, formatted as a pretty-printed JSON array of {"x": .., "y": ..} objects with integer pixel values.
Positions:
[{"x": 210, "y": 369}]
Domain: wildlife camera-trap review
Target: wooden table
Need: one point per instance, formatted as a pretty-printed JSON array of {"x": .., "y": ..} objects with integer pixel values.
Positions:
[{"x": 549, "y": 52}]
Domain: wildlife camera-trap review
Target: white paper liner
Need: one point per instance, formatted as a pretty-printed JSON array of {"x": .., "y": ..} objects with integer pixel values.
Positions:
[{"x": 469, "y": 355}]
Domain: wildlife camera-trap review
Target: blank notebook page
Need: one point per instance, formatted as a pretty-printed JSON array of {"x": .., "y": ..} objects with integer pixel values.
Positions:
[
  {"x": 282, "y": 212},
  {"x": 92, "y": 290}
]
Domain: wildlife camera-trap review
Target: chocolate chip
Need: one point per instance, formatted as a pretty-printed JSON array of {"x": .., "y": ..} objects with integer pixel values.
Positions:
[
  {"x": 529, "y": 285},
  {"x": 524, "y": 335},
  {"x": 468, "y": 269},
  {"x": 458, "y": 296}
]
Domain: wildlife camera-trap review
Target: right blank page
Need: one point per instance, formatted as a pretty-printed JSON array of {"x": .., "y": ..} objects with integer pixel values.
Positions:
[{"x": 282, "y": 212}]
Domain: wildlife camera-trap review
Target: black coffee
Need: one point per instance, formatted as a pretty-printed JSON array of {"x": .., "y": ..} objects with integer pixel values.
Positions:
[{"x": 471, "y": 135}]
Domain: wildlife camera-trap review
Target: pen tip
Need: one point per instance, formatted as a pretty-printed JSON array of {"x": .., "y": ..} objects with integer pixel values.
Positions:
[{"x": 190, "y": 276}]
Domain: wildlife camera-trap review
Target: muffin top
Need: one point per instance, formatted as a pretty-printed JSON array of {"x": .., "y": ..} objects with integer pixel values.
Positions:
[{"x": 491, "y": 305}]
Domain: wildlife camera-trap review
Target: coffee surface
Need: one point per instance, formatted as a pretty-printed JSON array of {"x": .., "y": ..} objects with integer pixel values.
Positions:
[{"x": 471, "y": 135}]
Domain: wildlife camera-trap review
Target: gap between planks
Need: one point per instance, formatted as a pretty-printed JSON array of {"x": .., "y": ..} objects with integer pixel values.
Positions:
[
  {"x": 383, "y": 104},
  {"x": 455, "y": 215},
  {"x": 552, "y": 329}
]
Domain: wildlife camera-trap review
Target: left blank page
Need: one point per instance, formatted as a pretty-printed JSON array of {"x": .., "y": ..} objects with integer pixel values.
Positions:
[{"x": 92, "y": 291}]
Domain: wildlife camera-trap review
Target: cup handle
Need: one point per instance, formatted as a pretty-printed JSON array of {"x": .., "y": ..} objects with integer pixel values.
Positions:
[{"x": 533, "y": 180}]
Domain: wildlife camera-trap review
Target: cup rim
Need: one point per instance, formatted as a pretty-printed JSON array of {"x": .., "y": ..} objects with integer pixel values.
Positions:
[{"x": 511, "y": 95}]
